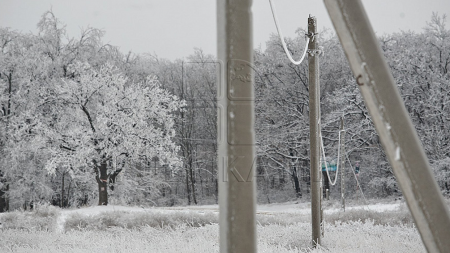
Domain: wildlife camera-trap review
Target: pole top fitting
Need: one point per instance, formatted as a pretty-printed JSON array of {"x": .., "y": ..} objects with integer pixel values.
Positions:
[
  {"x": 312, "y": 23},
  {"x": 311, "y": 35}
]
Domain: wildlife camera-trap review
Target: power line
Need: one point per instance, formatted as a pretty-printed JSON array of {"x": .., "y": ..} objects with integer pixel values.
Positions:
[
  {"x": 324, "y": 160},
  {"x": 357, "y": 181},
  {"x": 280, "y": 34},
  {"x": 337, "y": 164}
]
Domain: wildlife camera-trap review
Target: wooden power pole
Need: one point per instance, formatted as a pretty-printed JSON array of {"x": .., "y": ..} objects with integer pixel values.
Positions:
[
  {"x": 314, "y": 117},
  {"x": 236, "y": 137},
  {"x": 342, "y": 160}
]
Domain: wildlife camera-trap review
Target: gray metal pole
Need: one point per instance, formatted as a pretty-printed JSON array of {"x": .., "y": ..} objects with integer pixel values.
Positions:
[
  {"x": 342, "y": 165},
  {"x": 394, "y": 127},
  {"x": 236, "y": 138},
  {"x": 314, "y": 116}
]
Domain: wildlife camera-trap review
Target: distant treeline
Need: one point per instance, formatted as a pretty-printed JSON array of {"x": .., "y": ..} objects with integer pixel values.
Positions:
[{"x": 82, "y": 122}]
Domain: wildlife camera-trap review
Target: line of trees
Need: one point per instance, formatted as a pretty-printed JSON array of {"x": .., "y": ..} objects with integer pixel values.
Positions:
[
  {"x": 420, "y": 63},
  {"x": 74, "y": 118},
  {"x": 78, "y": 117}
]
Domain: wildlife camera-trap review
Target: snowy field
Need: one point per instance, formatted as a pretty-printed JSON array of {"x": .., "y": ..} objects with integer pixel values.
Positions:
[{"x": 281, "y": 228}]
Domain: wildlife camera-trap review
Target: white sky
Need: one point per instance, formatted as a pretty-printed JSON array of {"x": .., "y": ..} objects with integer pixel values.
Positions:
[{"x": 173, "y": 28}]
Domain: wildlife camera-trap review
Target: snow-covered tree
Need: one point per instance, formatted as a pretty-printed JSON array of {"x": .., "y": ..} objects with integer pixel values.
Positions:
[{"x": 98, "y": 122}]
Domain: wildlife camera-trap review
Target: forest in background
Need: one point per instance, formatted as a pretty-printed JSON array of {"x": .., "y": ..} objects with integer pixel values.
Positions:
[{"x": 82, "y": 122}]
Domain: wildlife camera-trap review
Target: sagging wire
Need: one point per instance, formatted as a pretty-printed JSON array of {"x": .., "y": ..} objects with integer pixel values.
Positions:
[
  {"x": 337, "y": 166},
  {"x": 280, "y": 34},
  {"x": 323, "y": 155}
]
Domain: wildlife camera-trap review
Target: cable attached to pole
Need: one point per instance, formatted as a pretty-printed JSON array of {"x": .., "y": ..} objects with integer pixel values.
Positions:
[
  {"x": 280, "y": 34},
  {"x": 324, "y": 160},
  {"x": 333, "y": 182},
  {"x": 337, "y": 165},
  {"x": 357, "y": 181}
]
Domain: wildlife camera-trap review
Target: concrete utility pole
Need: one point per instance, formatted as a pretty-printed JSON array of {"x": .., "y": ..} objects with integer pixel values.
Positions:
[
  {"x": 314, "y": 117},
  {"x": 342, "y": 165},
  {"x": 394, "y": 127},
  {"x": 236, "y": 137}
]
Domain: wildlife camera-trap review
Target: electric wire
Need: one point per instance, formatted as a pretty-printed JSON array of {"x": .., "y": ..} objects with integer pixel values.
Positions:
[
  {"x": 357, "y": 181},
  {"x": 337, "y": 166},
  {"x": 280, "y": 34},
  {"x": 324, "y": 160}
]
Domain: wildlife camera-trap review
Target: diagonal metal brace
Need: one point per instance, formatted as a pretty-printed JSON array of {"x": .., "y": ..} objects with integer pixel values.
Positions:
[{"x": 394, "y": 127}]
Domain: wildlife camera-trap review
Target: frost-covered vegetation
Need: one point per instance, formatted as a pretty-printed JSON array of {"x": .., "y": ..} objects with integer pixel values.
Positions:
[
  {"x": 79, "y": 119},
  {"x": 353, "y": 237},
  {"x": 158, "y": 230},
  {"x": 138, "y": 220}
]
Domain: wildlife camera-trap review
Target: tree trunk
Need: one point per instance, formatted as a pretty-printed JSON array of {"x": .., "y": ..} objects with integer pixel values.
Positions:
[
  {"x": 298, "y": 191},
  {"x": 201, "y": 185},
  {"x": 4, "y": 203},
  {"x": 306, "y": 174},
  {"x": 68, "y": 193},
  {"x": 7, "y": 198},
  {"x": 103, "y": 193},
  {"x": 281, "y": 179},
  {"x": 61, "y": 204},
  {"x": 86, "y": 199},
  {"x": 191, "y": 173},
  {"x": 113, "y": 179},
  {"x": 102, "y": 181},
  {"x": 266, "y": 185},
  {"x": 188, "y": 188}
]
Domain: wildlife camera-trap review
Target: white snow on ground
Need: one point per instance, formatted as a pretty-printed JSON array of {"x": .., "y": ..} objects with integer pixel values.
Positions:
[
  {"x": 93, "y": 210},
  {"x": 373, "y": 207},
  {"x": 290, "y": 207},
  {"x": 305, "y": 208},
  {"x": 272, "y": 237}
]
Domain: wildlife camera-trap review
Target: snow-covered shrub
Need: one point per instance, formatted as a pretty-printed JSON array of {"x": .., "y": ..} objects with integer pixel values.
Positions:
[
  {"x": 138, "y": 220},
  {"x": 398, "y": 217},
  {"x": 47, "y": 211},
  {"x": 280, "y": 195},
  {"x": 281, "y": 219},
  {"x": 41, "y": 218},
  {"x": 384, "y": 186}
]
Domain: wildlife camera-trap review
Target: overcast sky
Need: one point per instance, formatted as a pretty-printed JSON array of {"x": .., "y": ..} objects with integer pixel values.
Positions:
[{"x": 173, "y": 28}]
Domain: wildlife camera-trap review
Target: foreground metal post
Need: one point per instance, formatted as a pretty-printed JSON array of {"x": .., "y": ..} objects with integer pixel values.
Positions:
[
  {"x": 314, "y": 116},
  {"x": 342, "y": 165},
  {"x": 394, "y": 127},
  {"x": 236, "y": 138}
]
